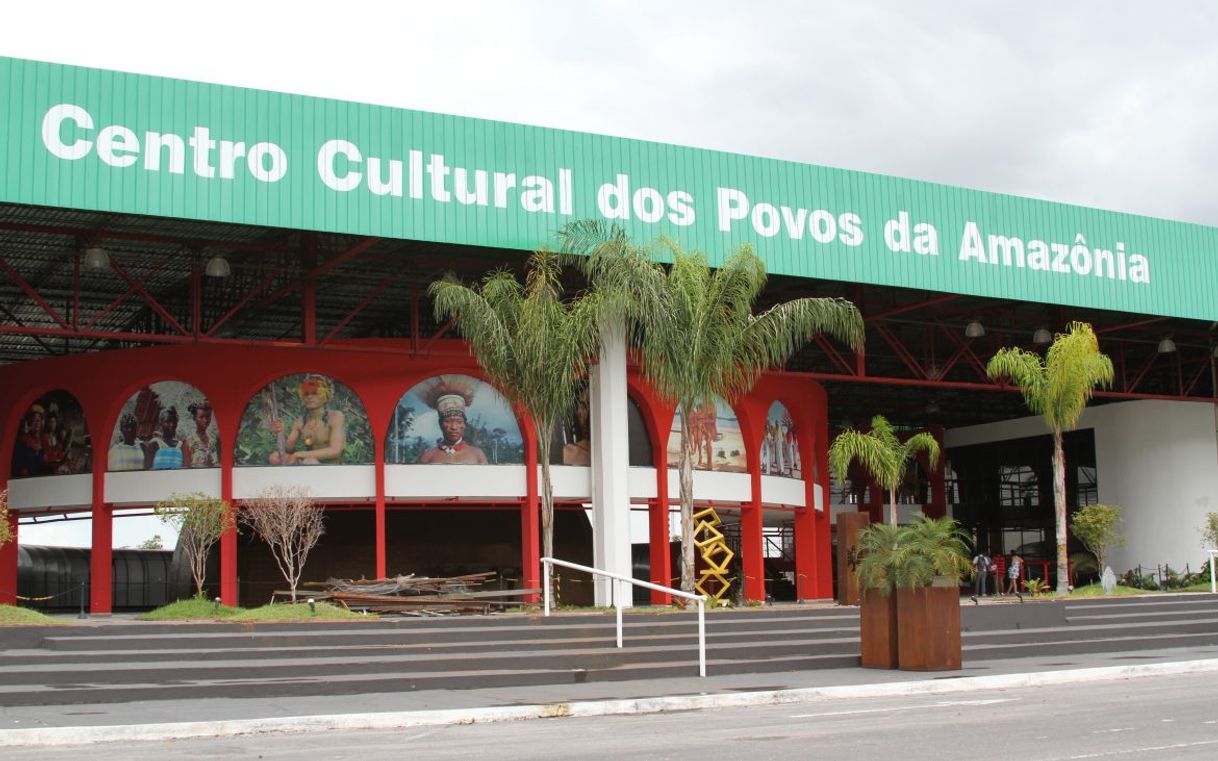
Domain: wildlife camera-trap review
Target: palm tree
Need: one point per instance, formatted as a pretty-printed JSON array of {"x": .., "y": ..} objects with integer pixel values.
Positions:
[
  {"x": 531, "y": 343},
  {"x": 913, "y": 555},
  {"x": 1057, "y": 388},
  {"x": 882, "y": 455},
  {"x": 695, "y": 329}
]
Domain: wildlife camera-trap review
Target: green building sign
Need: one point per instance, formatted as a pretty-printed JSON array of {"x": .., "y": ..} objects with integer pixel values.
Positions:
[{"x": 102, "y": 140}]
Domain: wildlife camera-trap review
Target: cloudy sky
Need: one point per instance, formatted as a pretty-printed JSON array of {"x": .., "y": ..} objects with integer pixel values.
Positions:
[{"x": 1105, "y": 103}]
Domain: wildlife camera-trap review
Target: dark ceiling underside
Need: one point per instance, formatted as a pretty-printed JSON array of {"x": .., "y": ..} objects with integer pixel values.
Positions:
[{"x": 918, "y": 368}]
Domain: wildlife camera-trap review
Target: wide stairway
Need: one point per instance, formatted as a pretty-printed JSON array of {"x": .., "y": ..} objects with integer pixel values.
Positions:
[{"x": 118, "y": 661}]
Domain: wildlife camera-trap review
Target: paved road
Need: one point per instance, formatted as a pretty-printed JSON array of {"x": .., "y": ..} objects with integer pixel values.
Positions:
[{"x": 1165, "y": 717}]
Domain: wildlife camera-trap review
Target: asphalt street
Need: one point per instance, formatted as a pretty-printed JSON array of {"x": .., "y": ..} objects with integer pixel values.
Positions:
[{"x": 1156, "y": 717}]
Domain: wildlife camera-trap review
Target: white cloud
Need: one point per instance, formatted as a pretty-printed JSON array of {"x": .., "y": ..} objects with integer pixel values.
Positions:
[{"x": 1094, "y": 102}]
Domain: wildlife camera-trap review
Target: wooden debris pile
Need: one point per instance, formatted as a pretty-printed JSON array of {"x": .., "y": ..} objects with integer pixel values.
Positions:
[{"x": 421, "y": 595}]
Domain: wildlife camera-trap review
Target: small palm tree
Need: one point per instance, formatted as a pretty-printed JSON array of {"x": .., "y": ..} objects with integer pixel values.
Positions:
[
  {"x": 696, "y": 331},
  {"x": 534, "y": 345},
  {"x": 913, "y": 555},
  {"x": 1057, "y": 388},
  {"x": 882, "y": 455}
]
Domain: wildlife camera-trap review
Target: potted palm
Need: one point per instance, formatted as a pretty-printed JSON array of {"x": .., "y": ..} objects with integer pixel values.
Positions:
[{"x": 910, "y": 580}]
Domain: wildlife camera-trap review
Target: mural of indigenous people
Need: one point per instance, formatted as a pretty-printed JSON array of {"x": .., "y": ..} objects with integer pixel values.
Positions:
[
  {"x": 572, "y": 444},
  {"x": 166, "y": 425},
  {"x": 779, "y": 446},
  {"x": 454, "y": 420},
  {"x": 52, "y": 439},
  {"x": 305, "y": 419},
  {"x": 715, "y": 440},
  {"x": 640, "y": 440}
]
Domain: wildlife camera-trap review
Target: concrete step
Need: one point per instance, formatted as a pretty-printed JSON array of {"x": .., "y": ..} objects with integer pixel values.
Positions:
[{"x": 121, "y": 661}]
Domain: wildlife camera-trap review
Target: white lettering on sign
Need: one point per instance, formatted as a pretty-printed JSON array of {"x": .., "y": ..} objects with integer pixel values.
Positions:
[
  {"x": 768, "y": 220},
  {"x": 67, "y": 127},
  {"x": 1064, "y": 258}
]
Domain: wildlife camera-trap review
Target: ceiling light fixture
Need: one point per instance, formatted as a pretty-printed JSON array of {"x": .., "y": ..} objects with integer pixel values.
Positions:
[
  {"x": 974, "y": 329},
  {"x": 96, "y": 258},
  {"x": 218, "y": 266},
  {"x": 1042, "y": 336},
  {"x": 1167, "y": 346}
]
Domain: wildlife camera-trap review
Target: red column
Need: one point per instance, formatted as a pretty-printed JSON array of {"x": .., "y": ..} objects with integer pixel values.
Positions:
[
  {"x": 752, "y": 560},
  {"x": 228, "y": 542},
  {"x": 530, "y": 529},
  {"x": 821, "y": 585},
  {"x": 101, "y": 554},
  {"x": 8, "y": 565},
  {"x": 379, "y": 469}
]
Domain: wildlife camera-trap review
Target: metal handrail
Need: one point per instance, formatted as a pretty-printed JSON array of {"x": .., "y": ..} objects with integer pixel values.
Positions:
[{"x": 617, "y": 599}]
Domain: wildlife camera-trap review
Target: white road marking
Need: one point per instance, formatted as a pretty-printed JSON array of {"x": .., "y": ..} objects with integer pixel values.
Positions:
[
  {"x": 1143, "y": 749},
  {"x": 937, "y": 704}
]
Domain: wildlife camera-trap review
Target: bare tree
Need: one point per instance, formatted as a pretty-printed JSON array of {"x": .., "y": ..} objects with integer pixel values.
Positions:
[
  {"x": 290, "y": 522},
  {"x": 201, "y": 521}
]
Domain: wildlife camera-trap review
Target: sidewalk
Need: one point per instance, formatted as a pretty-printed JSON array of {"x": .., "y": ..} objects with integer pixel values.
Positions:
[{"x": 161, "y": 720}]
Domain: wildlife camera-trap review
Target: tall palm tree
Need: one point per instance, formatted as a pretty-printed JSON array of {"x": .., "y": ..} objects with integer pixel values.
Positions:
[
  {"x": 884, "y": 456},
  {"x": 532, "y": 343},
  {"x": 695, "y": 329},
  {"x": 1057, "y": 388}
]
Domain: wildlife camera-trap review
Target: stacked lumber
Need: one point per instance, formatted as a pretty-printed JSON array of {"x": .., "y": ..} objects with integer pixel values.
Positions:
[{"x": 421, "y": 595}]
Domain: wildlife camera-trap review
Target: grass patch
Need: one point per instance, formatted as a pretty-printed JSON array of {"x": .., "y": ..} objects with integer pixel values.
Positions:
[
  {"x": 1097, "y": 590},
  {"x": 194, "y": 609},
  {"x": 299, "y": 612},
  {"x": 12, "y": 615},
  {"x": 1200, "y": 586}
]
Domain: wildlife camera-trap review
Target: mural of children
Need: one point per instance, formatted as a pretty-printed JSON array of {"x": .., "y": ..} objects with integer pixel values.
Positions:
[
  {"x": 165, "y": 451},
  {"x": 127, "y": 453},
  {"x": 204, "y": 453}
]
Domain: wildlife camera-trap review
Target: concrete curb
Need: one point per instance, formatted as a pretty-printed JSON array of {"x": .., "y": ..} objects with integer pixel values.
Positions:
[{"x": 50, "y": 736}]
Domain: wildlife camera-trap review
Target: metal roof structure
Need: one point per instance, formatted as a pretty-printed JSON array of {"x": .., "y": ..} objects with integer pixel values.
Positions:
[{"x": 300, "y": 288}]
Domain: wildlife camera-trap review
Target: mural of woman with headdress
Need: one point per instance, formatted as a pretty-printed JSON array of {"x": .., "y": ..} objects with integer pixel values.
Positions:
[{"x": 449, "y": 397}]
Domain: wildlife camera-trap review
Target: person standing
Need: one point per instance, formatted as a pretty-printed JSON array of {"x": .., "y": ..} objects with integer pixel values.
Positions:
[
  {"x": 981, "y": 569},
  {"x": 1014, "y": 571}
]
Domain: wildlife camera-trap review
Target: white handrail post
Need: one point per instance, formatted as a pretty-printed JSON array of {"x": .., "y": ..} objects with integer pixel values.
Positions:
[
  {"x": 545, "y": 582},
  {"x": 616, "y": 590},
  {"x": 617, "y": 603},
  {"x": 701, "y": 638}
]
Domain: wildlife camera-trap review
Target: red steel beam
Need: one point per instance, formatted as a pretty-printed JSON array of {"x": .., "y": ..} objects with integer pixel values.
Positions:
[
  {"x": 910, "y": 307},
  {"x": 971, "y": 386},
  {"x": 902, "y": 353},
  {"x": 33, "y": 294},
  {"x": 266, "y": 281},
  {"x": 977, "y": 364},
  {"x": 318, "y": 271},
  {"x": 139, "y": 288},
  {"x": 359, "y": 308},
  {"x": 192, "y": 243},
  {"x": 831, "y": 351},
  {"x": 439, "y": 334},
  {"x": 1142, "y": 372}
]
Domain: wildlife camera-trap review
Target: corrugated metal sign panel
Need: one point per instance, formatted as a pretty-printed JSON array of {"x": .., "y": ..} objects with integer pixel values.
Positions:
[{"x": 104, "y": 140}]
